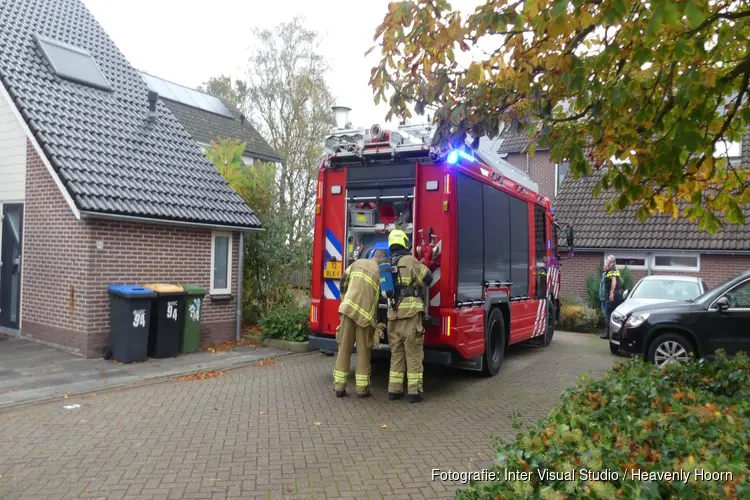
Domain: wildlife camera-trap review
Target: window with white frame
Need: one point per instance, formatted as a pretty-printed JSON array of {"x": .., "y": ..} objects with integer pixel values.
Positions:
[
  {"x": 247, "y": 160},
  {"x": 560, "y": 170},
  {"x": 675, "y": 262},
  {"x": 221, "y": 263},
  {"x": 631, "y": 260}
]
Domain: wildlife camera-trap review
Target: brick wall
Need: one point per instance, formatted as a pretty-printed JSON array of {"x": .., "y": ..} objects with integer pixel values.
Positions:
[
  {"x": 540, "y": 169},
  {"x": 714, "y": 269},
  {"x": 65, "y": 277},
  {"x": 142, "y": 253},
  {"x": 55, "y": 274}
]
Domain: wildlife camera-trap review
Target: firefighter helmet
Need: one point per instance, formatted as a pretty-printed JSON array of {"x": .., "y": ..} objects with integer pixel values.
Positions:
[{"x": 399, "y": 238}]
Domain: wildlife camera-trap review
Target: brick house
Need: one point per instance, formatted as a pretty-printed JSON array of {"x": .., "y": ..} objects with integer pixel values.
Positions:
[
  {"x": 660, "y": 245},
  {"x": 100, "y": 184}
]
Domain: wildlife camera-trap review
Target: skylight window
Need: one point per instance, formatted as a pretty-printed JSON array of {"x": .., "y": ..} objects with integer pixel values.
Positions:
[{"x": 72, "y": 63}]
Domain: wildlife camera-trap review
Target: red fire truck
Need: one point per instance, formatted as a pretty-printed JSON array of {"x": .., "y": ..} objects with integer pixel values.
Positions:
[{"x": 489, "y": 239}]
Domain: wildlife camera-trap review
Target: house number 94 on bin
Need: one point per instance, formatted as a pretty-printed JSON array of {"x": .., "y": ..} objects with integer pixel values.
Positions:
[
  {"x": 172, "y": 310},
  {"x": 139, "y": 318}
]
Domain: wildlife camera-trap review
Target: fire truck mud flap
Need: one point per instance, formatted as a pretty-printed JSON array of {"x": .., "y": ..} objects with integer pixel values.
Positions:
[{"x": 328, "y": 345}]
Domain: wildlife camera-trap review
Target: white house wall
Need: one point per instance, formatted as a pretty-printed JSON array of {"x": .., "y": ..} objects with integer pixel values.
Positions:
[{"x": 12, "y": 156}]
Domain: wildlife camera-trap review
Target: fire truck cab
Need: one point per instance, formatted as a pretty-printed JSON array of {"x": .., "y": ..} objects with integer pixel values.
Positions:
[{"x": 478, "y": 223}]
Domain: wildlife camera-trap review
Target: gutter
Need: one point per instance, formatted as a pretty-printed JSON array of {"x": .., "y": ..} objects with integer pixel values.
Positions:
[
  {"x": 240, "y": 283},
  {"x": 669, "y": 250},
  {"x": 164, "y": 222}
]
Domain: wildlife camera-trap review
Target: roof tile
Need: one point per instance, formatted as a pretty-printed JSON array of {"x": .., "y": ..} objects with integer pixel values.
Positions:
[{"x": 594, "y": 228}]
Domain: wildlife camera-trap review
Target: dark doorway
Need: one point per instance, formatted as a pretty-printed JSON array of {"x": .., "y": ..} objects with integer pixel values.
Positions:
[{"x": 10, "y": 265}]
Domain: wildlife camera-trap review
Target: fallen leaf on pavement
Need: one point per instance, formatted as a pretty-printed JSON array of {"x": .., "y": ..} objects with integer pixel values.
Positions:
[
  {"x": 202, "y": 375},
  {"x": 229, "y": 345},
  {"x": 66, "y": 395},
  {"x": 91, "y": 396},
  {"x": 266, "y": 362},
  {"x": 288, "y": 489},
  {"x": 383, "y": 426},
  {"x": 118, "y": 428},
  {"x": 316, "y": 422},
  {"x": 15, "y": 390},
  {"x": 83, "y": 421},
  {"x": 261, "y": 412}
]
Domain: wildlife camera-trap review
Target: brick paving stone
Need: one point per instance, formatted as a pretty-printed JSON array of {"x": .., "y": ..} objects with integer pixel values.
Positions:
[{"x": 259, "y": 432}]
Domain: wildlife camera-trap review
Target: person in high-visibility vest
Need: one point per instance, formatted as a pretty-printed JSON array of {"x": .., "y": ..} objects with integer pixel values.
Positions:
[
  {"x": 360, "y": 287},
  {"x": 405, "y": 329}
]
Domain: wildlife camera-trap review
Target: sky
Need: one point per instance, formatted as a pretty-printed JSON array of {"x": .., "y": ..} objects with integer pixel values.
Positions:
[{"x": 187, "y": 45}]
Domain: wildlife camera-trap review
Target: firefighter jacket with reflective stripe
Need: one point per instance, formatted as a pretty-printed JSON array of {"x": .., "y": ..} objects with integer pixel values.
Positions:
[
  {"x": 413, "y": 277},
  {"x": 361, "y": 290}
]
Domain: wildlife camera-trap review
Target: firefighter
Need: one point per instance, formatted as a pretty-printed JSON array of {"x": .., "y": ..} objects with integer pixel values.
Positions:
[
  {"x": 360, "y": 286},
  {"x": 405, "y": 330}
]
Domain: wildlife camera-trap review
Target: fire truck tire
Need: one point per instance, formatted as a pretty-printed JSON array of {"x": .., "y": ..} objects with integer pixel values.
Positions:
[
  {"x": 494, "y": 343},
  {"x": 551, "y": 315}
]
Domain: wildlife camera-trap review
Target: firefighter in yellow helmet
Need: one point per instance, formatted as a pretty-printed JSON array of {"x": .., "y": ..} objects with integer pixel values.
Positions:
[
  {"x": 405, "y": 330},
  {"x": 360, "y": 287}
]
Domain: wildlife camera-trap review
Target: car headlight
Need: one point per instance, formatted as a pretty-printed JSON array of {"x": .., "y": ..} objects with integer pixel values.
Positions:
[
  {"x": 617, "y": 318},
  {"x": 636, "y": 320}
]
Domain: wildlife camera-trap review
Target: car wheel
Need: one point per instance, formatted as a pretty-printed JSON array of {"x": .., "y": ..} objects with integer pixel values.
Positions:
[
  {"x": 670, "y": 348},
  {"x": 614, "y": 348},
  {"x": 494, "y": 344}
]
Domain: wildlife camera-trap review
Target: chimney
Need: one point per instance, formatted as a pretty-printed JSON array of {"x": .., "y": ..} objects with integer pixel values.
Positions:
[
  {"x": 341, "y": 114},
  {"x": 152, "y": 98}
]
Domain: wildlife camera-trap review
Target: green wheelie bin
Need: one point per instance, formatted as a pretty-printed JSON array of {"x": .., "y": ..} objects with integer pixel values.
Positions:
[{"x": 190, "y": 337}]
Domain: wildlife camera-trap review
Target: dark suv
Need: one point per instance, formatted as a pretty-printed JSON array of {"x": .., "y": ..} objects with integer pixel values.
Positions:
[{"x": 718, "y": 319}]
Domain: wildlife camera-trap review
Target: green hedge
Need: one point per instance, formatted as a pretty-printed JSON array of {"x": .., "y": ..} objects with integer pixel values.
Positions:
[
  {"x": 688, "y": 417},
  {"x": 290, "y": 323}
]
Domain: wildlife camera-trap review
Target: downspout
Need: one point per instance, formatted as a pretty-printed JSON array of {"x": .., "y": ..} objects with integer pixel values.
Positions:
[
  {"x": 648, "y": 264},
  {"x": 527, "y": 163},
  {"x": 240, "y": 279}
]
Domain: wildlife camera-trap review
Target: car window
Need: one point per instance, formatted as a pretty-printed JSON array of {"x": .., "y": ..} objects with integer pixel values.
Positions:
[
  {"x": 667, "y": 289},
  {"x": 739, "y": 296}
]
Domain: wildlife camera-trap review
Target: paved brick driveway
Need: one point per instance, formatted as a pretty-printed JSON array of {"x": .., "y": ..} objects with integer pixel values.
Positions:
[{"x": 277, "y": 431}]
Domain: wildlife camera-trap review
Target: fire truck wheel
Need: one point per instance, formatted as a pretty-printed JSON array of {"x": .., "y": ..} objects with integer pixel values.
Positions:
[
  {"x": 494, "y": 344},
  {"x": 550, "y": 324}
]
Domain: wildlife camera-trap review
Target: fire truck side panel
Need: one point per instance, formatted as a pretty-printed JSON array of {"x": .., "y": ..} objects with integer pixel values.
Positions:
[
  {"x": 469, "y": 331},
  {"x": 330, "y": 247}
]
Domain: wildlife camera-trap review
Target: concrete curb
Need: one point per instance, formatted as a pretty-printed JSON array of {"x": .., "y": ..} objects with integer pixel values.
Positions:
[
  {"x": 285, "y": 345},
  {"x": 4, "y": 408}
]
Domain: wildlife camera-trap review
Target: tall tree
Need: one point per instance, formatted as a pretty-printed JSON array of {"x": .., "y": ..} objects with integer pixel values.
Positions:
[
  {"x": 234, "y": 92},
  {"x": 290, "y": 103},
  {"x": 657, "y": 85}
]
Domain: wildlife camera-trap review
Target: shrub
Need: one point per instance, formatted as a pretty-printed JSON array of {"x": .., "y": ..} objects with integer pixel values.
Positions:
[
  {"x": 571, "y": 301},
  {"x": 688, "y": 417},
  {"x": 578, "y": 317},
  {"x": 291, "y": 323}
]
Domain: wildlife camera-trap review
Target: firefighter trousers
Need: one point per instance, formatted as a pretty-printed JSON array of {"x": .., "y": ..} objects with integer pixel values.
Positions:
[
  {"x": 406, "y": 340},
  {"x": 347, "y": 334}
]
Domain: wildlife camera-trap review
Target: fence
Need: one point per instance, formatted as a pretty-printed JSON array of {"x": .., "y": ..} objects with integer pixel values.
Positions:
[{"x": 301, "y": 278}]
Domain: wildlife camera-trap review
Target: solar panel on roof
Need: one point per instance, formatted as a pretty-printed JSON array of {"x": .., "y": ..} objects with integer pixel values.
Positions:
[{"x": 187, "y": 96}]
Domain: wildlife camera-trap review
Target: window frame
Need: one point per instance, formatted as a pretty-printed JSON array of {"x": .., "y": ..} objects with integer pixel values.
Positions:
[
  {"x": 557, "y": 175},
  {"x": 629, "y": 255},
  {"x": 228, "y": 289},
  {"x": 43, "y": 42},
  {"x": 690, "y": 269}
]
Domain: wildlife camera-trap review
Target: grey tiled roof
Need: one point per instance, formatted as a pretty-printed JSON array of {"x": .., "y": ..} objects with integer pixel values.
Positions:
[
  {"x": 515, "y": 143},
  {"x": 205, "y": 127},
  {"x": 110, "y": 159},
  {"x": 594, "y": 228}
]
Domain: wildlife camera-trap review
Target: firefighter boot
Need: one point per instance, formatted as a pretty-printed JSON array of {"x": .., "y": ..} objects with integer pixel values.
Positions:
[
  {"x": 364, "y": 338},
  {"x": 345, "y": 335},
  {"x": 398, "y": 365},
  {"x": 414, "y": 344}
]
